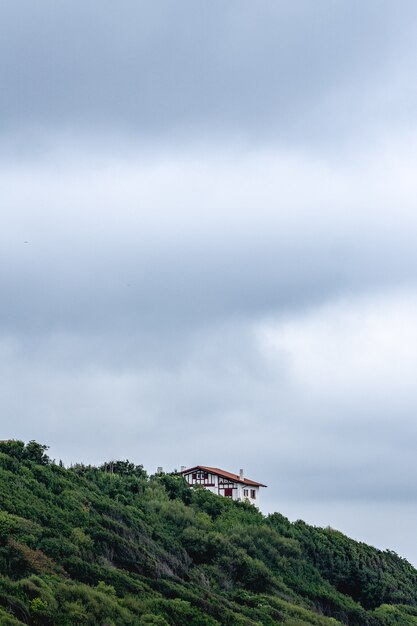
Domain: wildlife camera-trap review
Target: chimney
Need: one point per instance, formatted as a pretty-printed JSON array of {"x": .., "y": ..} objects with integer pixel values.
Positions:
[
  {"x": 159, "y": 470},
  {"x": 241, "y": 474},
  {"x": 183, "y": 468}
]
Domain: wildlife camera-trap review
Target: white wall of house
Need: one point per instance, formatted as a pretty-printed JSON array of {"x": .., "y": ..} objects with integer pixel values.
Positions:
[{"x": 249, "y": 493}]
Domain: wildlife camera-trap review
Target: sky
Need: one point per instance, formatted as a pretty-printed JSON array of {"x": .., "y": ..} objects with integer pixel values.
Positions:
[{"x": 208, "y": 217}]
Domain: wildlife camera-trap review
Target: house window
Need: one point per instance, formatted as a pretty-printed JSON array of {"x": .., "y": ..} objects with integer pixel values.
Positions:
[
  {"x": 246, "y": 493},
  {"x": 200, "y": 477},
  {"x": 253, "y": 494},
  {"x": 228, "y": 492}
]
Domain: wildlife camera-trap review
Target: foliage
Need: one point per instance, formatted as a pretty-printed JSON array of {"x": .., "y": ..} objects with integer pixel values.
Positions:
[{"x": 111, "y": 546}]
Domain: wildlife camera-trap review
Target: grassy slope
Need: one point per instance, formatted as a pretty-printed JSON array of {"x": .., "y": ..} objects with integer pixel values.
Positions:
[{"x": 85, "y": 546}]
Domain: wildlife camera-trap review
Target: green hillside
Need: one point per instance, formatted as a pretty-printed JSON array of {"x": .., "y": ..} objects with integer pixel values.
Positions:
[{"x": 86, "y": 545}]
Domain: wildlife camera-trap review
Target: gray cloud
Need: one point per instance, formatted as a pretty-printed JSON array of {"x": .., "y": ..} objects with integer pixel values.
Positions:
[
  {"x": 288, "y": 72},
  {"x": 128, "y": 245}
]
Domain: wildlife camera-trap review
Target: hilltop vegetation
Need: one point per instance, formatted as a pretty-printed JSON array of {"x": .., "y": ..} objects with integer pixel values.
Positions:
[{"x": 89, "y": 546}]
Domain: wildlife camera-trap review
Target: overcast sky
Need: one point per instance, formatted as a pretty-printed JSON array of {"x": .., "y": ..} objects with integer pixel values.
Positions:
[{"x": 208, "y": 223}]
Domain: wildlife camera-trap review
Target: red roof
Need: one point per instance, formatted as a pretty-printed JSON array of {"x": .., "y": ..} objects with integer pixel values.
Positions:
[{"x": 219, "y": 472}]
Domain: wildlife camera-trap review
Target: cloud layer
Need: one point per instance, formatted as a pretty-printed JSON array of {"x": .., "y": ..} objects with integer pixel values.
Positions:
[{"x": 294, "y": 72}]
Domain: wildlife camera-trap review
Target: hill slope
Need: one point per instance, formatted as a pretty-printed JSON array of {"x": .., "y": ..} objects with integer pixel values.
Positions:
[{"x": 90, "y": 546}]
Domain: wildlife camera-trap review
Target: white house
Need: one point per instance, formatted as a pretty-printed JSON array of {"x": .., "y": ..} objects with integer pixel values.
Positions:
[{"x": 223, "y": 483}]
